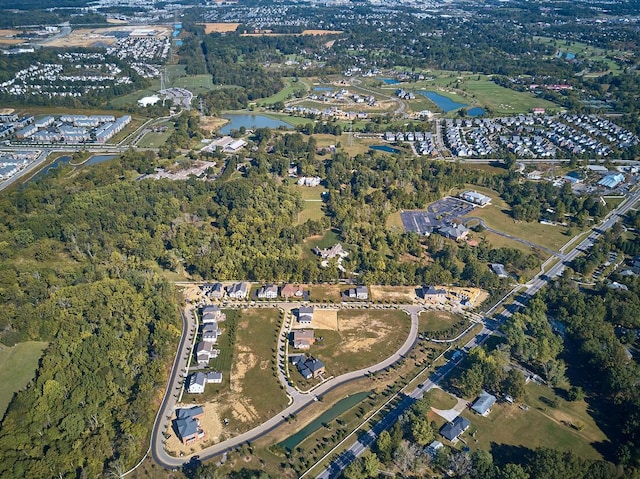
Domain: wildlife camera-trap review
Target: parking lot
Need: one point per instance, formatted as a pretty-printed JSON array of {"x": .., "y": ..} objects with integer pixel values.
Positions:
[{"x": 439, "y": 213}]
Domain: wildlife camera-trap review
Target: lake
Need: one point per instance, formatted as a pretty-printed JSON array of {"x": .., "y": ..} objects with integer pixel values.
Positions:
[
  {"x": 95, "y": 159},
  {"x": 323, "y": 88},
  {"x": 385, "y": 148},
  {"x": 476, "y": 111},
  {"x": 250, "y": 122},
  {"x": 446, "y": 104},
  {"x": 341, "y": 406},
  {"x": 390, "y": 81}
]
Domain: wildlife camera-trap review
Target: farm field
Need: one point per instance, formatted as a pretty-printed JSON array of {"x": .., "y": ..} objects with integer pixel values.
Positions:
[
  {"x": 18, "y": 366},
  {"x": 364, "y": 338},
  {"x": 220, "y": 27}
]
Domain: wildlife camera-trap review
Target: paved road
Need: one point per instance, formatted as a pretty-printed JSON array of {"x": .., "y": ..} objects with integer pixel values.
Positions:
[
  {"x": 532, "y": 287},
  {"x": 174, "y": 387},
  {"x": 300, "y": 400}
]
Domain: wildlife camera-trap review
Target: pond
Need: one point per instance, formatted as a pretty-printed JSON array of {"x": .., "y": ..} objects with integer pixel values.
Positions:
[
  {"x": 95, "y": 159},
  {"x": 390, "y": 81},
  {"x": 64, "y": 160},
  {"x": 476, "y": 111},
  {"x": 341, "y": 406},
  {"x": 250, "y": 121},
  {"x": 323, "y": 88},
  {"x": 385, "y": 148},
  {"x": 446, "y": 104}
]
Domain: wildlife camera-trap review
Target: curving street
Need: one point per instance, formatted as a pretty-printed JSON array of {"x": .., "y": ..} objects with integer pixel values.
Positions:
[{"x": 299, "y": 400}]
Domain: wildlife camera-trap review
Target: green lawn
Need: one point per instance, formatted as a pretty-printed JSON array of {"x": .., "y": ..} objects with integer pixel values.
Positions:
[
  {"x": 326, "y": 241},
  {"x": 284, "y": 94},
  {"x": 441, "y": 399},
  {"x": 497, "y": 216},
  {"x": 312, "y": 211},
  {"x": 501, "y": 100},
  {"x": 18, "y": 366},
  {"x": 195, "y": 83},
  {"x": 132, "y": 98},
  {"x": 365, "y": 337},
  {"x": 437, "y": 320},
  {"x": 154, "y": 140},
  {"x": 540, "y": 426}
]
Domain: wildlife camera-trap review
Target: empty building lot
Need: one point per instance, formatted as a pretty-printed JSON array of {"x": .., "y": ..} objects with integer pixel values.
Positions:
[{"x": 439, "y": 213}]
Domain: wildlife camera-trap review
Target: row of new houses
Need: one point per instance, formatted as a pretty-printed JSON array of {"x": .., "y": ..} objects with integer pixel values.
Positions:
[
  {"x": 73, "y": 128},
  {"x": 241, "y": 291}
]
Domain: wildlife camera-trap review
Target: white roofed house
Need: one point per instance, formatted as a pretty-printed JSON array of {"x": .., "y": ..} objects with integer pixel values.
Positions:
[
  {"x": 198, "y": 381},
  {"x": 270, "y": 291},
  {"x": 238, "y": 290},
  {"x": 210, "y": 332},
  {"x": 205, "y": 351},
  {"x": 212, "y": 314}
]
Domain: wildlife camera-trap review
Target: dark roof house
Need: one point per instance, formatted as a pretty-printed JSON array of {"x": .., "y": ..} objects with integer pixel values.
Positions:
[{"x": 453, "y": 429}]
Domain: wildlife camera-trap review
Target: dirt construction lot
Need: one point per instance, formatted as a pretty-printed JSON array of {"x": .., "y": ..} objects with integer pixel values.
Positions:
[
  {"x": 210, "y": 423},
  {"x": 396, "y": 294},
  {"x": 322, "y": 319},
  {"x": 220, "y": 27}
]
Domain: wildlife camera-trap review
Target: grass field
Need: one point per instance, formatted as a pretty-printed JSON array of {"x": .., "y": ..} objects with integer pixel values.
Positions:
[
  {"x": 326, "y": 241},
  {"x": 132, "y": 98},
  {"x": 394, "y": 220},
  {"x": 154, "y": 140},
  {"x": 195, "y": 83},
  {"x": 18, "y": 366},
  {"x": 540, "y": 426},
  {"x": 587, "y": 51},
  {"x": 441, "y": 399},
  {"x": 254, "y": 376},
  {"x": 365, "y": 337},
  {"x": 497, "y": 216},
  {"x": 326, "y": 292},
  {"x": 501, "y": 100},
  {"x": 437, "y": 320}
]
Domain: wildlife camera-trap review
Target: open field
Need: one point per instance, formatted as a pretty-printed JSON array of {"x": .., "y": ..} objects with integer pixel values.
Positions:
[
  {"x": 325, "y": 292},
  {"x": 312, "y": 211},
  {"x": 325, "y": 319},
  {"x": 437, "y": 320},
  {"x": 194, "y": 83},
  {"x": 133, "y": 97},
  {"x": 396, "y": 294},
  {"x": 588, "y": 51},
  {"x": 284, "y": 94},
  {"x": 18, "y": 366},
  {"x": 364, "y": 337},
  {"x": 156, "y": 139},
  {"x": 540, "y": 426},
  {"x": 220, "y": 27},
  {"x": 500, "y": 100},
  {"x": 497, "y": 216}
]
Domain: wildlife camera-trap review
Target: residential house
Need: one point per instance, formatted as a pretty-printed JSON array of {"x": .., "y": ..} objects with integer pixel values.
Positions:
[
  {"x": 455, "y": 232},
  {"x": 432, "y": 294},
  {"x": 482, "y": 405},
  {"x": 434, "y": 447},
  {"x": 305, "y": 315},
  {"x": 290, "y": 291},
  {"x": 210, "y": 332},
  {"x": 213, "y": 290},
  {"x": 198, "y": 381},
  {"x": 205, "y": 351},
  {"x": 452, "y": 430},
  {"x": 330, "y": 253},
  {"x": 187, "y": 424},
  {"x": 302, "y": 338},
  {"x": 270, "y": 291},
  {"x": 359, "y": 292},
  {"x": 498, "y": 269},
  {"x": 212, "y": 314},
  {"x": 238, "y": 290},
  {"x": 308, "y": 367}
]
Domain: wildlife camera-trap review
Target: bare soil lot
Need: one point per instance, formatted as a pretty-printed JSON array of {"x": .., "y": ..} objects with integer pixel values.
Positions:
[
  {"x": 395, "y": 294},
  {"x": 220, "y": 27}
]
